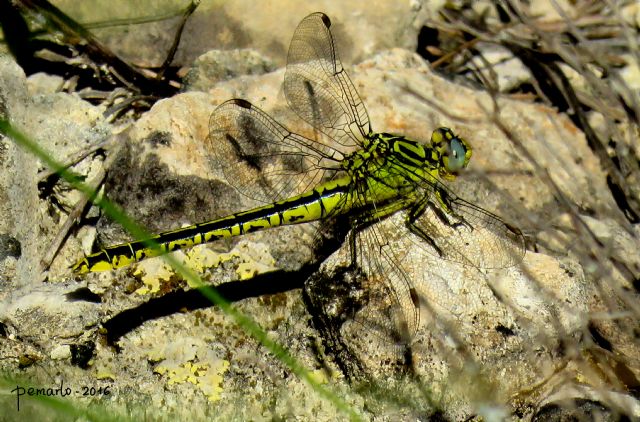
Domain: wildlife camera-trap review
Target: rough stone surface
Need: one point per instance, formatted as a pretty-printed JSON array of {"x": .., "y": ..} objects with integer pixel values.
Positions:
[{"x": 515, "y": 342}]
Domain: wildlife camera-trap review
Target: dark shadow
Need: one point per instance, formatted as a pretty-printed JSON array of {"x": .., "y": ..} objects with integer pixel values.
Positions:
[
  {"x": 83, "y": 294},
  {"x": 181, "y": 301}
]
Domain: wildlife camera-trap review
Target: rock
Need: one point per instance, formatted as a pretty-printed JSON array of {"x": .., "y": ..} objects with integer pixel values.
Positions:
[
  {"x": 515, "y": 341},
  {"x": 219, "y": 65},
  {"x": 510, "y": 71}
]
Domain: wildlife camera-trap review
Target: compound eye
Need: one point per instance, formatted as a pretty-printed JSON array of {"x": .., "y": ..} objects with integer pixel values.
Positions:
[{"x": 456, "y": 155}]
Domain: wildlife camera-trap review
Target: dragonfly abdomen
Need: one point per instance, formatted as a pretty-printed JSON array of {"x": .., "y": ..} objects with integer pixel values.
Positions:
[{"x": 312, "y": 205}]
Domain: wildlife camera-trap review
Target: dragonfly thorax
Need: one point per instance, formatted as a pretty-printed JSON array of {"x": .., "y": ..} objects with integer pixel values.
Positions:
[{"x": 366, "y": 161}]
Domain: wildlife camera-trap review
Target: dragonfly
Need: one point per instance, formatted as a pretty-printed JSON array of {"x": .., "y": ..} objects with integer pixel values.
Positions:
[{"x": 349, "y": 171}]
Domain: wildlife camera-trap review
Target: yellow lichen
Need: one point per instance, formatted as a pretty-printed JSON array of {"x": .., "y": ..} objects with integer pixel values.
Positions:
[
  {"x": 152, "y": 272},
  {"x": 201, "y": 258},
  {"x": 254, "y": 259},
  {"x": 105, "y": 374},
  {"x": 210, "y": 383},
  {"x": 190, "y": 361}
]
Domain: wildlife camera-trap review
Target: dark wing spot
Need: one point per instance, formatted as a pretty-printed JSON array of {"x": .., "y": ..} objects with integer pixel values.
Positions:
[{"x": 250, "y": 159}]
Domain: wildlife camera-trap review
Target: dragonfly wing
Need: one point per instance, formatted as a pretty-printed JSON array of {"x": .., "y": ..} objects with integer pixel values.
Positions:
[
  {"x": 465, "y": 233},
  {"x": 393, "y": 310},
  {"x": 261, "y": 158},
  {"x": 317, "y": 87}
]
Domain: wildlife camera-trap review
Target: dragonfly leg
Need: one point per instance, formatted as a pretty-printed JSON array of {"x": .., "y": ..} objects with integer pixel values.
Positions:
[
  {"x": 444, "y": 213},
  {"x": 445, "y": 219},
  {"x": 413, "y": 215},
  {"x": 359, "y": 224},
  {"x": 352, "y": 247},
  {"x": 445, "y": 203}
]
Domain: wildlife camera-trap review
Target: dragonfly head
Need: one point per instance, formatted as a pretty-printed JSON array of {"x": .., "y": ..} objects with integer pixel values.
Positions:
[{"x": 453, "y": 152}]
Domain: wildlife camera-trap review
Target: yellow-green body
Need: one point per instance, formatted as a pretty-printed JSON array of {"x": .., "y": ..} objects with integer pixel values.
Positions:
[{"x": 378, "y": 180}]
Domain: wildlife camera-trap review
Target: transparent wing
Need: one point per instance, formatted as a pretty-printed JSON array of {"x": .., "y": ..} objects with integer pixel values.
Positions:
[
  {"x": 317, "y": 87},
  {"x": 262, "y": 159},
  {"x": 459, "y": 231},
  {"x": 393, "y": 309},
  {"x": 469, "y": 234}
]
